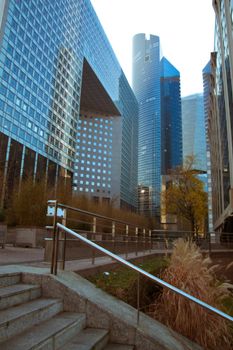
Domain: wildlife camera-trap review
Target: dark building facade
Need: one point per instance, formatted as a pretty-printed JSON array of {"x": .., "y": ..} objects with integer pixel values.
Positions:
[
  {"x": 55, "y": 63},
  {"x": 220, "y": 122}
]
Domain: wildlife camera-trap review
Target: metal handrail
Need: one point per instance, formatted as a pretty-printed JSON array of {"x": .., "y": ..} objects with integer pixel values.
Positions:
[
  {"x": 94, "y": 214},
  {"x": 142, "y": 272}
]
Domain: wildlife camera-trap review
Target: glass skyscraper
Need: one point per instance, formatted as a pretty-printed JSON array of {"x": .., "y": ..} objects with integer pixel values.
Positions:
[
  {"x": 55, "y": 63},
  {"x": 171, "y": 121},
  {"x": 146, "y": 85},
  {"x": 193, "y": 124},
  {"x": 156, "y": 83}
]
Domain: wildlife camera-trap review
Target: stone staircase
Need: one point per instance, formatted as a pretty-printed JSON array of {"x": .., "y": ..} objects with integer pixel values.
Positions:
[{"x": 30, "y": 321}]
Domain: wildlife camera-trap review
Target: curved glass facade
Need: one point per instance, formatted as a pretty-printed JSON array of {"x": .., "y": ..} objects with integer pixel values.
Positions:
[{"x": 43, "y": 48}]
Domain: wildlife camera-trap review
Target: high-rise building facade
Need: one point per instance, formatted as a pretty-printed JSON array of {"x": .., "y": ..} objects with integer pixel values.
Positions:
[
  {"x": 171, "y": 120},
  {"x": 98, "y": 163},
  {"x": 221, "y": 120},
  {"x": 55, "y": 63},
  {"x": 193, "y": 127},
  {"x": 156, "y": 83},
  {"x": 146, "y": 86},
  {"x": 208, "y": 85}
]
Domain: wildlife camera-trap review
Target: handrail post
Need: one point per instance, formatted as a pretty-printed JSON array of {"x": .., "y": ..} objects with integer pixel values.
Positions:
[
  {"x": 64, "y": 221},
  {"x": 56, "y": 250},
  {"x": 209, "y": 238},
  {"x": 144, "y": 241},
  {"x": 54, "y": 204},
  {"x": 138, "y": 298},
  {"x": 136, "y": 233},
  {"x": 166, "y": 242},
  {"x": 93, "y": 235},
  {"x": 127, "y": 240},
  {"x": 150, "y": 241},
  {"x": 114, "y": 236}
]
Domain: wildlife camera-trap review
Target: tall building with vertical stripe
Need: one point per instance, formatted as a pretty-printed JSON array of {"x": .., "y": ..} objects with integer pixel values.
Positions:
[{"x": 55, "y": 64}]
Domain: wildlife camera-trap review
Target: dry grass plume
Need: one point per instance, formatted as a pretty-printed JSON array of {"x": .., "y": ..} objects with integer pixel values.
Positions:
[{"x": 190, "y": 272}]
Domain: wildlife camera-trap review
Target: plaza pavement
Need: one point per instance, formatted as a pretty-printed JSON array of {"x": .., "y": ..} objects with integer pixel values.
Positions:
[{"x": 11, "y": 255}]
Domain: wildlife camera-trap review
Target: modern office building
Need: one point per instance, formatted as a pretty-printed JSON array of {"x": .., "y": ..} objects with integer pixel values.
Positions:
[
  {"x": 171, "y": 119},
  {"x": 156, "y": 83},
  {"x": 208, "y": 85},
  {"x": 220, "y": 124},
  {"x": 98, "y": 164},
  {"x": 146, "y": 86},
  {"x": 193, "y": 127},
  {"x": 55, "y": 63}
]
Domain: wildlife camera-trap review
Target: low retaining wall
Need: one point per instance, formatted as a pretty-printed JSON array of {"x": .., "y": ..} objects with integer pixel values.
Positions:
[
  {"x": 27, "y": 236},
  {"x": 75, "y": 249}
]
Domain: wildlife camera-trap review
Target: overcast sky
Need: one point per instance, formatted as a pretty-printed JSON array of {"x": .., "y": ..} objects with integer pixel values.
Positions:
[{"x": 185, "y": 28}]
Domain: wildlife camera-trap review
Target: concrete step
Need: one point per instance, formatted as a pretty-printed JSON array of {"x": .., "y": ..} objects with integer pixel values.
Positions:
[
  {"x": 19, "y": 318},
  {"x": 49, "y": 335},
  {"x": 89, "y": 339},
  {"x": 112, "y": 346},
  {"x": 18, "y": 294},
  {"x": 7, "y": 279}
]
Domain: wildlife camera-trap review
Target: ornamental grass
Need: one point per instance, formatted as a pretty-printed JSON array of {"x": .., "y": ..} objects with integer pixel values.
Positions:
[{"x": 190, "y": 272}]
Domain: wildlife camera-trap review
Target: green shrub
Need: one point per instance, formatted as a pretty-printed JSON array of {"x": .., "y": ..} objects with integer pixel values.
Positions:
[{"x": 122, "y": 283}]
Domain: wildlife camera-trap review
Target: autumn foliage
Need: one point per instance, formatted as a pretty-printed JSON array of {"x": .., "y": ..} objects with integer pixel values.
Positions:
[
  {"x": 185, "y": 196},
  {"x": 28, "y": 205}
]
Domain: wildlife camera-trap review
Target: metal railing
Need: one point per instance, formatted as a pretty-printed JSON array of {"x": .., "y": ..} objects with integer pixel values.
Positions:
[
  {"x": 54, "y": 266},
  {"x": 118, "y": 235},
  {"x": 121, "y": 237}
]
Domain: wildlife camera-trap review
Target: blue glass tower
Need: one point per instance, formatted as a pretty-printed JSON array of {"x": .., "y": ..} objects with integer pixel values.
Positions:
[
  {"x": 55, "y": 63},
  {"x": 146, "y": 85},
  {"x": 194, "y": 138},
  {"x": 171, "y": 121}
]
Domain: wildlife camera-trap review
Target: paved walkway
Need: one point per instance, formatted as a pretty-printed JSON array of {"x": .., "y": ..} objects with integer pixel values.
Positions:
[
  {"x": 14, "y": 255},
  {"x": 35, "y": 257}
]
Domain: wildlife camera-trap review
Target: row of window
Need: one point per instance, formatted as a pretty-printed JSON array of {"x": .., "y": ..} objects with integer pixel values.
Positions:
[
  {"x": 93, "y": 170},
  {"x": 92, "y": 183},
  {"x": 92, "y": 190},
  {"x": 98, "y": 177},
  {"x": 88, "y": 155},
  {"x": 84, "y": 141},
  {"x": 93, "y": 163},
  {"x": 94, "y": 150},
  {"x": 98, "y": 122}
]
